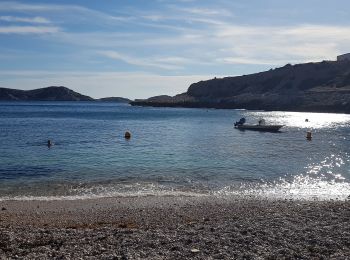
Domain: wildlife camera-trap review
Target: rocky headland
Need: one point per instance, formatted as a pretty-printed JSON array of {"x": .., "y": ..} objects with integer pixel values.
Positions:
[
  {"x": 42, "y": 94},
  {"x": 52, "y": 93},
  {"x": 311, "y": 87}
]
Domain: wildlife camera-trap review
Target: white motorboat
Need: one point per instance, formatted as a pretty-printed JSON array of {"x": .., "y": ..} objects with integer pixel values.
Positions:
[{"x": 261, "y": 126}]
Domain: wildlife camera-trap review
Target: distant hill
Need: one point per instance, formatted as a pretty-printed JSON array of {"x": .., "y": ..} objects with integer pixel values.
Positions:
[
  {"x": 42, "y": 94},
  {"x": 115, "y": 99},
  {"x": 318, "y": 87},
  {"x": 51, "y": 94}
]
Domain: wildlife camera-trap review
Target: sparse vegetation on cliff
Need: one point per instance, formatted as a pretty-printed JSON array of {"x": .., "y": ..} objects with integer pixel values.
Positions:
[{"x": 317, "y": 87}]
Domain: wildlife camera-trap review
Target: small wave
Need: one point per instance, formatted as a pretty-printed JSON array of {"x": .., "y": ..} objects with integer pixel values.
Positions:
[
  {"x": 299, "y": 188},
  {"x": 99, "y": 196},
  {"x": 103, "y": 192}
]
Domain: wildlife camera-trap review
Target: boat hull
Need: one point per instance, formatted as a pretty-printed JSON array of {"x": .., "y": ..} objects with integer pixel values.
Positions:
[{"x": 264, "y": 128}]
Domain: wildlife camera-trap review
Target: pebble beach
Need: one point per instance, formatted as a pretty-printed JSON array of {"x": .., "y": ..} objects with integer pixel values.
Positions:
[{"x": 156, "y": 227}]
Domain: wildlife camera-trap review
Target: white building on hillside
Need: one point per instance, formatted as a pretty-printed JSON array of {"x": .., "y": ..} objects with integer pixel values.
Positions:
[{"x": 343, "y": 57}]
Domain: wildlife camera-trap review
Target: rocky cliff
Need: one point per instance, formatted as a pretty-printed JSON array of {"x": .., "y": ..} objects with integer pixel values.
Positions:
[{"x": 319, "y": 87}]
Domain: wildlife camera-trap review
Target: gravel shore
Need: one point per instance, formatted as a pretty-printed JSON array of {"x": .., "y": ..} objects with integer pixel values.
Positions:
[{"x": 175, "y": 228}]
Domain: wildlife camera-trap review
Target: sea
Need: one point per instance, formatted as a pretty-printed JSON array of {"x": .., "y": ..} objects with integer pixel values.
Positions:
[{"x": 171, "y": 152}]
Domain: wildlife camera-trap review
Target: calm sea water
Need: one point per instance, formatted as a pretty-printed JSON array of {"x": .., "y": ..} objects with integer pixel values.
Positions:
[{"x": 173, "y": 151}]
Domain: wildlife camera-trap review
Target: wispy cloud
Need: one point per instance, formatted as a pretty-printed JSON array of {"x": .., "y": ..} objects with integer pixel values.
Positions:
[
  {"x": 194, "y": 16},
  {"x": 176, "y": 36},
  {"x": 37, "y": 19},
  {"x": 228, "y": 44},
  {"x": 221, "y": 45},
  {"x": 36, "y": 7},
  {"x": 205, "y": 11},
  {"x": 28, "y": 29},
  {"x": 277, "y": 45},
  {"x": 168, "y": 63},
  {"x": 246, "y": 60},
  {"x": 65, "y": 9}
]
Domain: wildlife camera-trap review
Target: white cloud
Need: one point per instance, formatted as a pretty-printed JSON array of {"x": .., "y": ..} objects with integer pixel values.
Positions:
[
  {"x": 193, "y": 16},
  {"x": 16, "y": 6},
  {"x": 223, "y": 43},
  {"x": 154, "y": 18},
  {"x": 64, "y": 10},
  {"x": 278, "y": 45},
  {"x": 135, "y": 39},
  {"x": 205, "y": 11},
  {"x": 163, "y": 63},
  {"x": 247, "y": 60},
  {"x": 28, "y": 29},
  {"x": 35, "y": 7},
  {"x": 37, "y": 19},
  {"x": 174, "y": 37}
]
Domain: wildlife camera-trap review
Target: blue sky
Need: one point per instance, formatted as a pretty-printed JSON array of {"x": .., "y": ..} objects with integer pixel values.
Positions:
[{"x": 142, "y": 48}]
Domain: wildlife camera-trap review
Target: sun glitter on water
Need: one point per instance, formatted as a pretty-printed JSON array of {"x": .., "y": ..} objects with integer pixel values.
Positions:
[{"x": 304, "y": 119}]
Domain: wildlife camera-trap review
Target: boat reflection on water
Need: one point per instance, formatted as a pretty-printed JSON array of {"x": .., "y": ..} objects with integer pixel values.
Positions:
[{"x": 261, "y": 126}]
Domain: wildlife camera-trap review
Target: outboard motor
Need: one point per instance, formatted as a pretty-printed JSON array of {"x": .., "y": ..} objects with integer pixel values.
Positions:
[
  {"x": 240, "y": 122},
  {"x": 262, "y": 122}
]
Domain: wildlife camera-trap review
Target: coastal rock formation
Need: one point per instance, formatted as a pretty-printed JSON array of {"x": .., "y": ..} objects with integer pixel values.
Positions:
[
  {"x": 42, "y": 94},
  {"x": 317, "y": 87},
  {"x": 115, "y": 99},
  {"x": 52, "y": 94}
]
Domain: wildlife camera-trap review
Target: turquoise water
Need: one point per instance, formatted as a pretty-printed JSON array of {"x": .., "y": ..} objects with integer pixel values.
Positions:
[{"x": 173, "y": 151}]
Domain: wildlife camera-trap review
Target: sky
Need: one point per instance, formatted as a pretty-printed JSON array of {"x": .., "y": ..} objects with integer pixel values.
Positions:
[{"x": 143, "y": 48}]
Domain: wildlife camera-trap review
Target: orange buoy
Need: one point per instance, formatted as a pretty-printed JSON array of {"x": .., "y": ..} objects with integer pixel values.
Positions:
[{"x": 127, "y": 135}]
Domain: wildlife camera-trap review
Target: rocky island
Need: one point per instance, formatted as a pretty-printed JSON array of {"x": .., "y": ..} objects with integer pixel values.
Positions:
[
  {"x": 52, "y": 93},
  {"x": 310, "y": 87},
  {"x": 42, "y": 94},
  {"x": 115, "y": 99}
]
